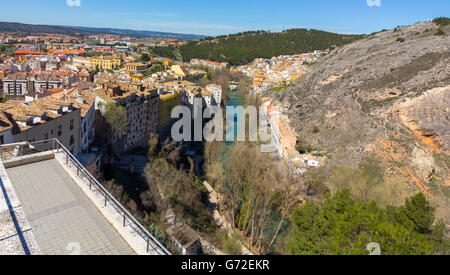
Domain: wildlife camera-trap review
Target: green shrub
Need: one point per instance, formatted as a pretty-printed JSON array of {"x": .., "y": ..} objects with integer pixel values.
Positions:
[
  {"x": 303, "y": 147},
  {"x": 228, "y": 244},
  {"x": 442, "y": 21},
  {"x": 342, "y": 225},
  {"x": 159, "y": 235},
  {"x": 316, "y": 130},
  {"x": 440, "y": 32}
]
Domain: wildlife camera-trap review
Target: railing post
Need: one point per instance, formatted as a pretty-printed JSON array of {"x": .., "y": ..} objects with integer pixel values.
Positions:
[
  {"x": 105, "y": 200},
  {"x": 124, "y": 219},
  {"x": 67, "y": 158},
  {"x": 148, "y": 244}
]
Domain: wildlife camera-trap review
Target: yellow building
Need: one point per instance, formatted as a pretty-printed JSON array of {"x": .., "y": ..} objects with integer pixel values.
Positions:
[
  {"x": 258, "y": 78},
  {"x": 167, "y": 62},
  {"x": 180, "y": 70},
  {"x": 105, "y": 62},
  {"x": 136, "y": 67}
]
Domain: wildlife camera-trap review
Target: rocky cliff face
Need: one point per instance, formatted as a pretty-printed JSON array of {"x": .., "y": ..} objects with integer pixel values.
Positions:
[{"x": 385, "y": 96}]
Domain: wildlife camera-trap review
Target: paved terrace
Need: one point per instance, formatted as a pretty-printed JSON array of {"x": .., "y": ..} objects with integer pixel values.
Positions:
[
  {"x": 49, "y": 206},
  {"x": 63, "y": 219}
]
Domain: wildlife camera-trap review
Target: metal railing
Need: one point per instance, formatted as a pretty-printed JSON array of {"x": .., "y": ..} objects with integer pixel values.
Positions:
[
  {"x": 11, "y": 151},
  {"x": 15, "y": 150}
]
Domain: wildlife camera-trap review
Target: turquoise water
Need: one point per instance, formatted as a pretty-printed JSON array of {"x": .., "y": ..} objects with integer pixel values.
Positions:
[
  {"x": 235, "y": 101},
  {"x": 274, "y": 216}
]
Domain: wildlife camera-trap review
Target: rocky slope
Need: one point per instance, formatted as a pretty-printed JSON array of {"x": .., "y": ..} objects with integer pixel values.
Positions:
[{"x": 385, "y": 96}]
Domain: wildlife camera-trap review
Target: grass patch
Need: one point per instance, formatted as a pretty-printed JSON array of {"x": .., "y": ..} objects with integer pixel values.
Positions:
[
  {"x": 439, "y": 32},
  {"x": 400, "y": 164},
  {"x": 405, "y": 72}
]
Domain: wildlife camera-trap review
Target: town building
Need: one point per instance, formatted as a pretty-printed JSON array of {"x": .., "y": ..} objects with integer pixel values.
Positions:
[
  {"x": 20, "y": 84},
  {"x": 105, "y": 62},
  {"x": 216, "y": 91},
  {"x": 6, "y": 136},
  {"x": 80, "y": 61},
  {"x": 180, "y": 71},
  {"x": 136, "y": 67},
  {"x": 142, "y": 112},
  {"x": 45, "y": 119}
]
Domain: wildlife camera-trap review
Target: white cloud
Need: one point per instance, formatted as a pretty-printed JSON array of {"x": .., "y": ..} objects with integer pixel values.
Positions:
[
  {"x": 374, "y": 3},
  {"x": 73, "y": 3}
]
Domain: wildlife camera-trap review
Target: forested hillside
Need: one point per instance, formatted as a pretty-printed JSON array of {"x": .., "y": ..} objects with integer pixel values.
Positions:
[{"x": 242, "y": 48}]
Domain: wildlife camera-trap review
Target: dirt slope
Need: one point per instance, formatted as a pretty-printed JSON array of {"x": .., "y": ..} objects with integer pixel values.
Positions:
[{"x": 385, "y": 96}]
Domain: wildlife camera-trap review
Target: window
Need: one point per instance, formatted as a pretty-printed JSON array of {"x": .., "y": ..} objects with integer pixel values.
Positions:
[
  {"x": 72, "y": 141},
  {"x": 59, "y": 130},
  {"x": 45, "y": 136},
  {"x": 2, "y": 140},
  {"x": 71, "y": 124}
]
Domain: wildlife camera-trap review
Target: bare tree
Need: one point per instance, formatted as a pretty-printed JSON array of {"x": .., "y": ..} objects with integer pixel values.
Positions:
[
  {"x": 290, "y": 187},
  {"x": 249, "y": 189}
]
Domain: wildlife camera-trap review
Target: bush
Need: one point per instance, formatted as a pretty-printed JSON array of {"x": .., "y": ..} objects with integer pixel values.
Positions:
[
  {"x": 342, "y": 225},
  {"x": 229, "y": 244},
  {"x": 316, "y": 130},
  {"x": 440, "y": 32},
  {"x": 401, "y": 39},
  {"x": 442, "y": 21},
  {"x": 303, "y": 147},
  {"x": 159, "y": 235}
]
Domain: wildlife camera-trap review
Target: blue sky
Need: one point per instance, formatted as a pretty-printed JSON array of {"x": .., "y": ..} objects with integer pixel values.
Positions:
[{"x": 214, "y": 17}]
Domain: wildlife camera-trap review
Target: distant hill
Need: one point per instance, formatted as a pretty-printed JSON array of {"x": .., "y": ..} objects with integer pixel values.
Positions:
[
  {"x": 28, "y": 28},
  {"x": 71, "y": 30},
  {"x": 242, "y": 48},
  {"x": 139, "y": 33}
]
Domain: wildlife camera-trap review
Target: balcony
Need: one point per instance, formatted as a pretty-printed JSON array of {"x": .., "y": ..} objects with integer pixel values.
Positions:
[{"x": 50, "y": 204}]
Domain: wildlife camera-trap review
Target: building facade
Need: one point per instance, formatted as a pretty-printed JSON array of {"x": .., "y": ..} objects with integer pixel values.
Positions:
[
  {"x": 142, "y": 113},
  {"x": 105, "y": 62}
]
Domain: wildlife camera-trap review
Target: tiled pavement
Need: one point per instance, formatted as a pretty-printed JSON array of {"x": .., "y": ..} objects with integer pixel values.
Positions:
[{"x": 63, "y": 219}]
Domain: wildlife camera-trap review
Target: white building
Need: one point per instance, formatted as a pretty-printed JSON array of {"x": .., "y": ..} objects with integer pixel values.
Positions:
[{"x": 216, "y": 91}]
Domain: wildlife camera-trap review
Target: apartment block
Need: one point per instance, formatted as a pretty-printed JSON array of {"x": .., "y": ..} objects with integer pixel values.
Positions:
[
  {"x": 142, "y": 111},
  {"x": 20, "y": 84}
]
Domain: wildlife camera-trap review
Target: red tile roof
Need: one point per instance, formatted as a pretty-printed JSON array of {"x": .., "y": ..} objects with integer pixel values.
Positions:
[
  {"x": 57, "y": 51},
  {"x": 29, "y": 52}
]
